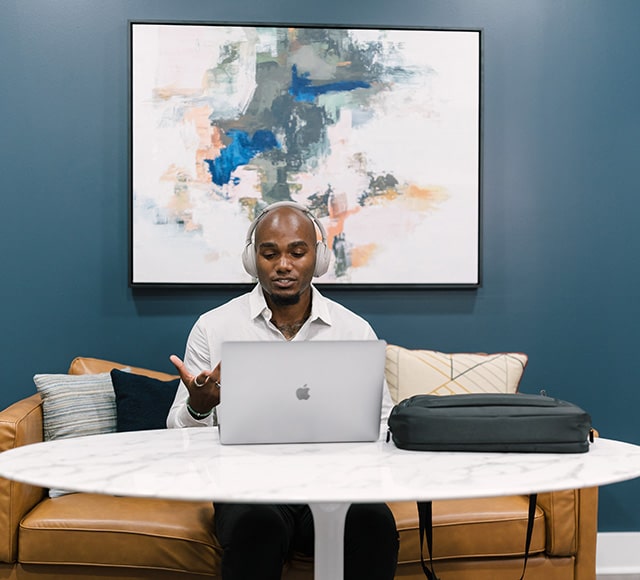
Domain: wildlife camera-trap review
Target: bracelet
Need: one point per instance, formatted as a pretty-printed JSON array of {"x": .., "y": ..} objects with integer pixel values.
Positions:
[{"x": 197, "y": 415}]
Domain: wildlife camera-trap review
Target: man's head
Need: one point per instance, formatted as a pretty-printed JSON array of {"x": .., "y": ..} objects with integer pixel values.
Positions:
[{"x": 284, "y": 253}]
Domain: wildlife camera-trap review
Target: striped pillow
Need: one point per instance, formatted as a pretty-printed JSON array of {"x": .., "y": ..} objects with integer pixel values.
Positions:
[
  {"x": 76, "y": 405},
  {"x": 417, "y": 372}
]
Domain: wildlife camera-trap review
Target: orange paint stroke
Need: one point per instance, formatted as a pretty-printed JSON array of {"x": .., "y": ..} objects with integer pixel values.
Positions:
[
  {"x": 338, "y": 216},
  {"x": 165, "y": 93},
  {"x": 199, "y": 116},
  {"x": 424, "y": 198},
  {"x": 209, "y": 141},
  {"x": 172, "y": 173},
  {"x": 361, "y": 255}
]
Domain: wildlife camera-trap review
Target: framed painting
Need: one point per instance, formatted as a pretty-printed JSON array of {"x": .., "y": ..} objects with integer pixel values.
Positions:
[{"x": 376, "y": 130}]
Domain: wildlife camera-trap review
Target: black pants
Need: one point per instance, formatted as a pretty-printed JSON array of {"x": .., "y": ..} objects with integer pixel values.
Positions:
[{"x": 257, "y": 539}]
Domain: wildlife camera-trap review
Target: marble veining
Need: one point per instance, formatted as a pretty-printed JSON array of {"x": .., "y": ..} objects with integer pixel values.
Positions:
[{"x": 191, "y": 464}]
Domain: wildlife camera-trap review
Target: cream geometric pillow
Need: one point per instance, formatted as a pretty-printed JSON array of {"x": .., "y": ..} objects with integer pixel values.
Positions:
[{"x": 422, "y": 372}]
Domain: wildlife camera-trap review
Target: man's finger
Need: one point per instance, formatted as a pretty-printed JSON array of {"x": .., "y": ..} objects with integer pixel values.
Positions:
[{"x": 177, "y": 362}]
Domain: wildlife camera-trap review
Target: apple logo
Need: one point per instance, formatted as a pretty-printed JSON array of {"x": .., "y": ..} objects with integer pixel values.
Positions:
[{"x": 303, "y": 392}]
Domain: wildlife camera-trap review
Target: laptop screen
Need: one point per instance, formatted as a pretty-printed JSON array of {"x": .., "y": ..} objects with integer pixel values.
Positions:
[{"x": 301, "y": 391}]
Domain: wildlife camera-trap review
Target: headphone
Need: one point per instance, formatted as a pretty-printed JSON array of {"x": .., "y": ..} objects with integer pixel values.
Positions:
[{"x": 323, "y": 254}]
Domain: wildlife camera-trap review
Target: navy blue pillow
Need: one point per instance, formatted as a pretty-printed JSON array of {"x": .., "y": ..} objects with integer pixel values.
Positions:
[{"x": 142, "y": 402}]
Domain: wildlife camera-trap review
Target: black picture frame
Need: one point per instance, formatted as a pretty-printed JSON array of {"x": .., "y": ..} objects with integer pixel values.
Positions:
[{"x": 377, "y": 130}]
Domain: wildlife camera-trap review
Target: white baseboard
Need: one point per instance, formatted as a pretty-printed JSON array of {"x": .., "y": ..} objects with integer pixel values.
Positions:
[{"x": 618, "y": 556}]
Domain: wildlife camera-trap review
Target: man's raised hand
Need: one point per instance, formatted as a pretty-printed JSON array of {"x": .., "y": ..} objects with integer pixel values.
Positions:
[{"x": 204, "y": 387}]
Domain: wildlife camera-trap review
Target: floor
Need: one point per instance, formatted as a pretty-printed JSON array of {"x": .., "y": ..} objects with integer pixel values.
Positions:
[{"x": 618, "y": 556}]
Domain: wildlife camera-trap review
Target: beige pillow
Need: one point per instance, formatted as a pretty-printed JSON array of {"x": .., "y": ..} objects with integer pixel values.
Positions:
[{"x": 417, "y": 372}]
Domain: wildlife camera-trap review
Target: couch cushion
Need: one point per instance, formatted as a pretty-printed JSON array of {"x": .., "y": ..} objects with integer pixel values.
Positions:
[
  {"x": 413, "y": 372},
  {"x": 142, "y": 402},
  {"x": 116, "y": 531},
  {"x": 485, "y": 527},
  {"x": 120, "y": 531}
]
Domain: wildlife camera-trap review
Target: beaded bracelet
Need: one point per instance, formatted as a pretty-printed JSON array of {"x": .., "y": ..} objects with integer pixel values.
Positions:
[{"x": 195, "y": 413}]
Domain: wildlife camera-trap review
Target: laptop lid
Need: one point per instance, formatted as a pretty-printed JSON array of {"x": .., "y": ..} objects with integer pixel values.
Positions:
[{"x": 301, "y": 391}]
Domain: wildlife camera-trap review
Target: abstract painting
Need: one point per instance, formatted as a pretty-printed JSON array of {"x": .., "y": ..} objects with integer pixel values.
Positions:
[{"x": 375, "y": 130}]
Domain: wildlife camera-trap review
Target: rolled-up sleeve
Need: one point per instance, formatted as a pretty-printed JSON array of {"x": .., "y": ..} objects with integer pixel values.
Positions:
[{"x": 197, "y": 358}]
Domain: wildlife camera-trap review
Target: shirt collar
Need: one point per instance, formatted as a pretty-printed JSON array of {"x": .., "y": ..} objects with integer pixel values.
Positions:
[
  {"x": 257, "y": 303},
  {"x": 319, "y": 305}
]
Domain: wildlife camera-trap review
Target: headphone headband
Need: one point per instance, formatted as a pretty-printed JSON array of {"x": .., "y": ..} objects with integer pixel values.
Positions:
[
  {"x": 293, "y": 204},
  {"x": 323, "y": 255}
]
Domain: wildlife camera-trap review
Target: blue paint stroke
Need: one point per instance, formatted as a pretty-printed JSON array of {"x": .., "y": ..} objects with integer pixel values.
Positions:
[
  {"x": 240, "y": 151},
  {"x": 302, "y": 90}
]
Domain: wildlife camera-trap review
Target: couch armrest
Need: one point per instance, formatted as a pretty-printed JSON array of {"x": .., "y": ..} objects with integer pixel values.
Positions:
[
  {"x": 587, "y": 533},
  {"x": 571, "y": 520},
  {"x": 20, "y": 424},
  {"x": 561, "y": 510}
]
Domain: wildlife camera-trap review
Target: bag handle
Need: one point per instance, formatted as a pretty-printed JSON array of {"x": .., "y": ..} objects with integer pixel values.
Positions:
[
  {"x": 425, "y": 525},
  {"x": 533, "y": 498}
]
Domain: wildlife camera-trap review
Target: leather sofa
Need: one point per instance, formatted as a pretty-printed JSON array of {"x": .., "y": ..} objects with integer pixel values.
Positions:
[{"x": 85, "y": 536}]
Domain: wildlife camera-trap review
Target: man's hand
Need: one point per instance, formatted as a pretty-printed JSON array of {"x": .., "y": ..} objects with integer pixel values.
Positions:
[{"x": 204, "y": 388}]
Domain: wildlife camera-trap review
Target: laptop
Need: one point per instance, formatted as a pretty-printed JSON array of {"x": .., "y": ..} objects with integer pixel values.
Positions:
[{"x": 301, "y": 392}]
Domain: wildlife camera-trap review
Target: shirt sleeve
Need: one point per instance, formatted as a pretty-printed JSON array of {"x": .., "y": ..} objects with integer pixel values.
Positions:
[{"x": 197, "y": 358}]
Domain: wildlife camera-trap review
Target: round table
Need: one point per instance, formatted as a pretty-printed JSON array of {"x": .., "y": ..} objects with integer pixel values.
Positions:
[{"x": 191, "y": 464}]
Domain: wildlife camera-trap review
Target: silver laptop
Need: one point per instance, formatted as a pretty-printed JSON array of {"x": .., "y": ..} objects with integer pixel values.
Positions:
[{"x": 301, "y": 392}]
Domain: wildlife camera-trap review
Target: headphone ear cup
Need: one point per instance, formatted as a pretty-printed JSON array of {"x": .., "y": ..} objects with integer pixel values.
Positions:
[
  {"x": 323, "y": 259},
  {"x": 249, "y": 260}
]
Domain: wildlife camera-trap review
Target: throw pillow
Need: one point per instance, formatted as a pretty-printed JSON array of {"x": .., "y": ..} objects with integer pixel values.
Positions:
[
  {"x": 76, "y": 405},
  {"x": 415, "y": 372},
  {"x": 142, "y": 402}
]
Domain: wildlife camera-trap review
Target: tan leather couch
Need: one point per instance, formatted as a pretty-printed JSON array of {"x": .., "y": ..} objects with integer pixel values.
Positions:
[{"x": 84, "y": 536}]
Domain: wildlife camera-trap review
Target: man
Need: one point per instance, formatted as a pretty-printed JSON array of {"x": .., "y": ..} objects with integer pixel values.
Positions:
[{"x": 284, "y": 256}]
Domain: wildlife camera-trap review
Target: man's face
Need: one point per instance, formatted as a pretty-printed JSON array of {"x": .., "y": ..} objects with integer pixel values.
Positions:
[{"x": 285, "y": 241}]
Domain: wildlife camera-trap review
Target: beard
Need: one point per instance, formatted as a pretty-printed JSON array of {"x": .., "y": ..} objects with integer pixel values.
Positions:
[{"x": 290, "y": 300}]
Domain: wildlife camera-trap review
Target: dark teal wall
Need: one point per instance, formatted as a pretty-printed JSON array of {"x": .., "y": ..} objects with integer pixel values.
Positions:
[{"x": 560, "y": 197}]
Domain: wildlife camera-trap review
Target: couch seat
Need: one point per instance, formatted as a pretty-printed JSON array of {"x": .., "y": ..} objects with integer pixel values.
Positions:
[
  {"x": 101, "y": 530},
  {"x": 98, "y": 530}
]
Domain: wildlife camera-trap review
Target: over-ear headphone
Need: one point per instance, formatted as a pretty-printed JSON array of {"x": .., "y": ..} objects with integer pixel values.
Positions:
[{"x": 323, "y": 254}]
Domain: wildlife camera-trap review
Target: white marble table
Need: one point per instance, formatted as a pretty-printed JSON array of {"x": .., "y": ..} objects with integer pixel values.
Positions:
[{"x": 190, "y": 464}]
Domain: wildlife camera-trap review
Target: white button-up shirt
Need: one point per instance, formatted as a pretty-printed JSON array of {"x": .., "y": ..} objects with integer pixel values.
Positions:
[{"x": 248, "y": 318}]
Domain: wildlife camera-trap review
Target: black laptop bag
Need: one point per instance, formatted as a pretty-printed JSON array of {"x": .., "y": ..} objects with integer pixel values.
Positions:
[
  {"x": 487, "y": 422},
  {"x": 490, "y": 422}
]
